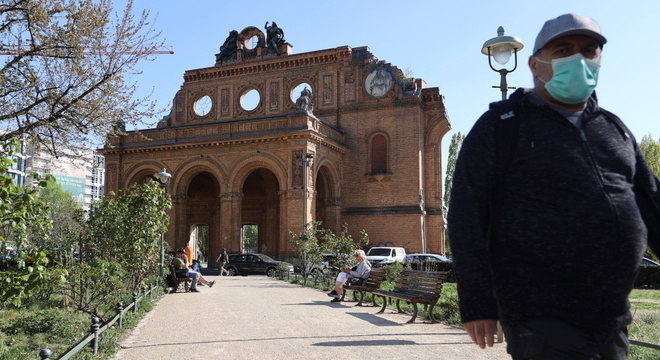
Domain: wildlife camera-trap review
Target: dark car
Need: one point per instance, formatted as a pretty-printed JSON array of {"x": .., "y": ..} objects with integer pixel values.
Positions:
[{"x": 260, "y": 264}]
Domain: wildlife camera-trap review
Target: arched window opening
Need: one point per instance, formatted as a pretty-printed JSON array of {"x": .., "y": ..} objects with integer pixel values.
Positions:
[{"x": 378, "y": 154}]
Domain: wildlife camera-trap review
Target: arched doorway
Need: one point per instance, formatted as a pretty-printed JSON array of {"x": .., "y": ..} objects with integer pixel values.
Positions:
[
  {"x": 326, "y": 207},
  {"x": 203, "y": 215},
  {"x": 260, "y": 208}
]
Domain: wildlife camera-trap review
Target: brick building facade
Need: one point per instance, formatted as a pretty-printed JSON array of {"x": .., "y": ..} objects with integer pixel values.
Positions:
[{"x": 245, "y": 145}]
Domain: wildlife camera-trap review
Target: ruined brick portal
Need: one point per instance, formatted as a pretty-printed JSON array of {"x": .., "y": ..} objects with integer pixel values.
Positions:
[{"x": 274, "y": 139}]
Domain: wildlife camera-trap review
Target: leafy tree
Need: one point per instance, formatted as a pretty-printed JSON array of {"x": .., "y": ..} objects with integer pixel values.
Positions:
[
  {"x": 126, "y": 228},
  {"x": 312, "y": 242},
  {"x": 307, "y": 244},
  {"x": 250, "y": 236},
  {"x": 65, "y": 82},
  {"x": 28, "y": 275},
  {"x": 454, "y": 148},
  {"x": 651, "y": 151},
  {"x": 93, "y": 287},
  {"x": 19, "y": 205},
  {"x": 343, "y": 245},
  {"x": 19, "y": 208},
  {"x": 67, "y": 219}
]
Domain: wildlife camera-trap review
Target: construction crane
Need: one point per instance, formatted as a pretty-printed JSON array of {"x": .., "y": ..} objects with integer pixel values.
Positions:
[{"x": 19, "y": 49}]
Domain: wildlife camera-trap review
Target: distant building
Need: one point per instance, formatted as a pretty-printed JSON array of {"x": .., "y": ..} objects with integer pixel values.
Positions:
[
  {"x": 274, "y": 139},
  {"x": 83, "y": 177},
  {"x": 18, "y": 170}
]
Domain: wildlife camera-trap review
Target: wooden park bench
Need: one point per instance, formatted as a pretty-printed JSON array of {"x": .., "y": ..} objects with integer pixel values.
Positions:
[
  {"x": 372, "y": 283},
  {"x": 415, "y": 287},
  {"x": 179, "y": 280}
]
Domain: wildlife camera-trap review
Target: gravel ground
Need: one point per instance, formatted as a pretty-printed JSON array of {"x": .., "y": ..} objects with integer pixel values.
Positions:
[{"x": 256, "y": 317}]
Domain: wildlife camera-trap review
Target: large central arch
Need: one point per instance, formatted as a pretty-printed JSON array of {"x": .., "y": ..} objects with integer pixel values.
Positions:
[
  {"x": 260, "y": 206},
  {"x": 203, "y": 210}
]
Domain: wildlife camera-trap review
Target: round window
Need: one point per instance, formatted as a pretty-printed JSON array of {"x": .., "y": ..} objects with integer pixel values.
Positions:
[
  {"x": 203, "y": 105},
  {"x": 295, "y": 92},
  {"x": 252, "y": 42},
  {"x": 250, "y": 100}
]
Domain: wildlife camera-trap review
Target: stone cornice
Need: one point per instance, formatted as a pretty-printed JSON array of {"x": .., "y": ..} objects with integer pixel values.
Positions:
[
  {"x": 320, "y": 57},
  {"x": 171, "y": 144}
]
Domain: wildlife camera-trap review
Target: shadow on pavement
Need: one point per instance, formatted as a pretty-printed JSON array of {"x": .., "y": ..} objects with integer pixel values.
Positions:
[
  {"x": 374, "y": 319},
  {"x": 366, "y": 343},
  {"x": 388, "y": 341}
]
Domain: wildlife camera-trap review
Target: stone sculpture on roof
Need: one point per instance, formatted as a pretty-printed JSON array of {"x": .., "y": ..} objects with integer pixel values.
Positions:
[{"x": 274, "y": 37}]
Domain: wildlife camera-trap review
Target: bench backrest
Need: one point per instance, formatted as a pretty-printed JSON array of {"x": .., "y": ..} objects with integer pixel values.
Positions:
[
  {"x": 420, "y": 283},
  {"x": 375, "y": 278},
  {"x": 175, "y": 275}
]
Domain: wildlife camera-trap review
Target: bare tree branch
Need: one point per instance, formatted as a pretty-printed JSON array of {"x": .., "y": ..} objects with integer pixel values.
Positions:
[{"x": 65, "y": 82}]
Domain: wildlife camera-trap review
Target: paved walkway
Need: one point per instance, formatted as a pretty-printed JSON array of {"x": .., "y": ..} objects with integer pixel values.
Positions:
[{"x": 256, "y": 317}]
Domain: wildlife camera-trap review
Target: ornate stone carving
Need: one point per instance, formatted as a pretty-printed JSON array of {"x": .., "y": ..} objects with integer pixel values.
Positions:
[
  {"x": 228, "y": 48},
  {"x": 304, "y": 102}
]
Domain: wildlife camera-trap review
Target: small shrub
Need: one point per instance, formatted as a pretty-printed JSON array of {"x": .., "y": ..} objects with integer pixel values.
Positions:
[
  {"x": 447, "y": 308},
  {"x": 282, "y": 270},
  {"x": 392, "y": 271},
  {"x": 56, "y": 323},
  {"x": 13, "y": 353}
]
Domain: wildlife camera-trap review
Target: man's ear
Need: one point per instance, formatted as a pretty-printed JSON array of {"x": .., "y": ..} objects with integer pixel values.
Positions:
[{"x": 532, "y": 64}]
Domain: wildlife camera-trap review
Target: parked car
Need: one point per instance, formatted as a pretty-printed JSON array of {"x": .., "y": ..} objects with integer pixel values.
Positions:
[
  {"x": 325, "y": 266},
  {"x": 649, "y": 262},
  {"x": 378, "y": 256},
  {"x": 260, "y": 264},
  {"x": 425, "y": 257}
]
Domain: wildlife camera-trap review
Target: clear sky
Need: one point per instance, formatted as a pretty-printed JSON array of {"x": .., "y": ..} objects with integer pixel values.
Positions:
[{"x": 438, "y": 41}]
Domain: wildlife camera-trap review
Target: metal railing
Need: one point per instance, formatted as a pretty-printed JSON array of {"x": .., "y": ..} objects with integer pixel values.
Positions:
[{"x": 96, "y": 329}]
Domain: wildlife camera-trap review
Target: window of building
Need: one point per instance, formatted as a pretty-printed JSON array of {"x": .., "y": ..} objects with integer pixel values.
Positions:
[
  {"x": 97, "y": 176},
  {"x": 96, "y": 192},
  {"x": 379, "y": 154},
  {"x": 99, "y": 161}
]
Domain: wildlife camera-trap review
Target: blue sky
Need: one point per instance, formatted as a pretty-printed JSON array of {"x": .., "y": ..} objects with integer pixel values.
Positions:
[{"x": 438, "y": 41}]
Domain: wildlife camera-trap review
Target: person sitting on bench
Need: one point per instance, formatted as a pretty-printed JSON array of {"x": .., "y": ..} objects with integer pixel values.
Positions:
[
  {"x": 180, "y": 263},
  {"x": 360, "y": 272}
]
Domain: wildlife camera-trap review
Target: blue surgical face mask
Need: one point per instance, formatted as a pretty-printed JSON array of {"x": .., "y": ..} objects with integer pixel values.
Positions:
[{"x": 574, "y": 78}]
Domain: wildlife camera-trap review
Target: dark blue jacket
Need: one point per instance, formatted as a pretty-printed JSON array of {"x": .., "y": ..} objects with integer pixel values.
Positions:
[{"x": 570, "y": 231}]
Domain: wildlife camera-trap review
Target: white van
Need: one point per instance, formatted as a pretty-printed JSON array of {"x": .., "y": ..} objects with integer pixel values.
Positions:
[{"x": 385, "y": 255}]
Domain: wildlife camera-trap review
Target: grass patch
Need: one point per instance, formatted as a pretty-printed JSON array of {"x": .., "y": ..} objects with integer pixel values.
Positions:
[
  {"x": 646, "y": 295},
  {"x": 23, "y": 332}
]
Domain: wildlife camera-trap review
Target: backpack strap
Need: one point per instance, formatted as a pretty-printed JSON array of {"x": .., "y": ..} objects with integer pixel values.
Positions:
[{"x": 506, "y": 132}]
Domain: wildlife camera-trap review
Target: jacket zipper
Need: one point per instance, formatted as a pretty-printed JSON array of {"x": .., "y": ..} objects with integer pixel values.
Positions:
[{"x": 601, "y": 182}]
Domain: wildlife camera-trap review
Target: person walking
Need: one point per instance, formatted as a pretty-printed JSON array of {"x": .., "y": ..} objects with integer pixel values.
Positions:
[
  {"x": 549, "y": 241},
  {"x": 222, "y": 260}
]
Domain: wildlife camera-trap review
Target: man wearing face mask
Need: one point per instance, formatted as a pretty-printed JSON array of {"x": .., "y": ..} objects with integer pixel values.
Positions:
[{"x": 549, "y": 241}]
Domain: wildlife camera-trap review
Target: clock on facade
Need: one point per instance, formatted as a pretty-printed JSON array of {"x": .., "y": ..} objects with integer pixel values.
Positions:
[
  {"x": 378, "y": 82},
  {"x": 203, "y": 105}
]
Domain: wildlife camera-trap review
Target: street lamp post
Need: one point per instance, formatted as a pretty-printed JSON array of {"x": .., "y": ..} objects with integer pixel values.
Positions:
[
  {"x": 164, "y": 177},
  {"x": 500, "y": 48},
  {"x": 305, "y": 160}
]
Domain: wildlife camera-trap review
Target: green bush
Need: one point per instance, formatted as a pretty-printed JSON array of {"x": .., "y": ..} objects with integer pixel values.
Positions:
[
  {"x": 447, "y": 308},
  {"x": 393, "y": 270},
  {"x": 56, "y": 323},
  {"x": 13, "y": 353},
  {"x": 282, "y": 270}
]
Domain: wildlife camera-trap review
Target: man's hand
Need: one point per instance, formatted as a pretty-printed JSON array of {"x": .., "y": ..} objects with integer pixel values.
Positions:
[{"x": 482, "y": 332}]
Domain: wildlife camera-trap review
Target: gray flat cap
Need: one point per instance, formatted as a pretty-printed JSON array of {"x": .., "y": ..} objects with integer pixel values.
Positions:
[{"x": 568, "y": 24}]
